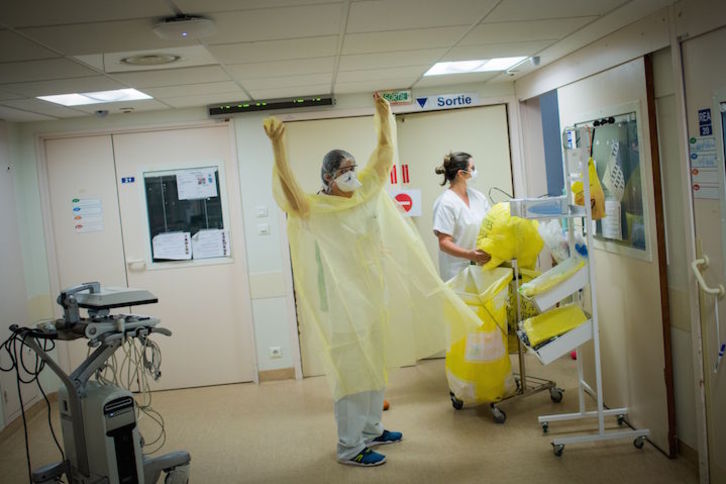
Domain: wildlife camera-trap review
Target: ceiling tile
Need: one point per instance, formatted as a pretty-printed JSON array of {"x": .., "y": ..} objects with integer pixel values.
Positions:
[
  {"x": 524, "y": 31},
  {"x": 455, "y": 79},
  {"x": 244, "y": 72},
  {"x": 192, "y": 89},
  {"x": 19, "y": 13},
  {"x": 39, "y": 70},
  {"x": 402, "y": 40},
  {"x": 229, "y": 5},
  {"x": 371, "y": 85},
  {"x": 205, "y": 99},
  {"x": 291, "y": 91},
  {"x": 18, "y": 116},
  {"x": 44, "y": 107},
  {"x": 277, "y": 23},
  {"x": 379, "y": 15},
  {"x": 64, "y": 86},
  {"x": 271, "y": 50},
  {"x": 173, "y": 77},
  {"x": 145, "y": 105},
  {"x": 537, "y": 9},
  {"x": 14, "y": 47},
  {"x": 287, "y": 82},
  {"x": 102, "y": 37},
  {"x": 489, "y": 51},
  {"x": 9, "y": 95},
  {"x": 390, "y": 59},
  {"x": 410, "y": 73}
]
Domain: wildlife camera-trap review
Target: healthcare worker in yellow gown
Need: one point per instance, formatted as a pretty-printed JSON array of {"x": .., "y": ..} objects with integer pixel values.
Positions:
[{"x": 364, "y": 280}]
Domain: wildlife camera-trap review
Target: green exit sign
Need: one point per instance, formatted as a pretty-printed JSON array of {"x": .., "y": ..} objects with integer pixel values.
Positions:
[{"x": 402, "y": 96}]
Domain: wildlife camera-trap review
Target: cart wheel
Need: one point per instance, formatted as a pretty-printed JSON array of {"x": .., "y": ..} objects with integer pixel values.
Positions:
[
  {"x": 639, "y": 442},
  {"x": 456, "y": 403},
  {"x": 545, "y": 427},
  {"x": 498, "y": 414},
  {"x": 558, "y": 449},
  {"x": 621, "y": 419},
  {"x": 556, "y": 394},
  {"x": 518, "y": 381}
]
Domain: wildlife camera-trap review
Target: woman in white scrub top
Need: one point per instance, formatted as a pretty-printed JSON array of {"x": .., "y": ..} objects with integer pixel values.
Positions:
[{"x": 458, "y": 214}]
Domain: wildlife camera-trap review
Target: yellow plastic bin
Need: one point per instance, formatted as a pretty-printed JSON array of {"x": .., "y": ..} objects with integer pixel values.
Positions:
[{"x": 477, "y": 366}]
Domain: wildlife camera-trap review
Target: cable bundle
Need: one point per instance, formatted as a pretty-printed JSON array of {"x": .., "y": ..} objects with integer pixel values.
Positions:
[{"x": 14, "y": 346}]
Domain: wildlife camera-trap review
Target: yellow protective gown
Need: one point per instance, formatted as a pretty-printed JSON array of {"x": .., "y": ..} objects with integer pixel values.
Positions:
[{"x": 362, "y": 275}]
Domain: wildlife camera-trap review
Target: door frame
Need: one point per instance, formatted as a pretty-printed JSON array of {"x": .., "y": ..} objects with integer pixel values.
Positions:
[
  {"x": 46, "y": 212},
  {"x": 691, "y": 253}
]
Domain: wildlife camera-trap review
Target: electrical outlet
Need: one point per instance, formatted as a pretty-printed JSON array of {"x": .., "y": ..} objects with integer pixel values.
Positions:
[{"x": 275, "y": 352}]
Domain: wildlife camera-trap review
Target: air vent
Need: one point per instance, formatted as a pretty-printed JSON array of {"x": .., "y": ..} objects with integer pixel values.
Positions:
[{"x": 223, "y": 110}]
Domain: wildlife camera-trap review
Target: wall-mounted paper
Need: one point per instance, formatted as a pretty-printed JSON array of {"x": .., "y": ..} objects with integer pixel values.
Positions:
[
  {"x": 196, "y": 183},
  {"x": 210, "y": 243},
  {"x": 172, "y": 246},
  {"x": 611, "y": 223},
  {"x": 87, "y": 215}
]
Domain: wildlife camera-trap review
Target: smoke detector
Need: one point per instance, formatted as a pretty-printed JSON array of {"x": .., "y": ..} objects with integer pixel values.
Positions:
[{"x": 184, "y": 27}]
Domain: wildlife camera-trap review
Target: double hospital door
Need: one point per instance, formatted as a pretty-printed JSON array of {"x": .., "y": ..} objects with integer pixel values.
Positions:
[{"x": 161, "y": 211}]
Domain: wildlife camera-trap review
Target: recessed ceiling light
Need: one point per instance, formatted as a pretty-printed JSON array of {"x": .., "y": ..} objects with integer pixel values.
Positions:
[
  {"x": 96, "y": 97},
  {"x": 150, "y": 59},
  {"x": 480, "y": 65}
]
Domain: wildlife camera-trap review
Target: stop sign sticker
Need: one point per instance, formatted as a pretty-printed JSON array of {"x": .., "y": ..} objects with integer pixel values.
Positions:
[
  {"x": 409, "y": 201},
  {"x": 404, "y": 199}
]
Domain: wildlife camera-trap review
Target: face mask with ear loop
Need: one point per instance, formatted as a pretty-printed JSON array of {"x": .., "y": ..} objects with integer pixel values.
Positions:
[{"x": 347, "y": 182}]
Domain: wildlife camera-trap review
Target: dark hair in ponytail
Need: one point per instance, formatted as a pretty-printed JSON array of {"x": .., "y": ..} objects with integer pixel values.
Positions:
[{"x": 453, "y": 162}]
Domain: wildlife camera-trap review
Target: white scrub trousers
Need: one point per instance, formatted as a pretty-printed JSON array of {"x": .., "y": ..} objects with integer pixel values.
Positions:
[{"x": 359, "y": 421}]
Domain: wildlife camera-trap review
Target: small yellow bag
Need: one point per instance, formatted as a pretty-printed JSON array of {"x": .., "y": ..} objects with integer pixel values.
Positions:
[
  {"x": 504, "y": 238},
  {"x": 597, "y": 196},
  {"x": 558, "y": 274},
  {"x": 546, "y": 326}
]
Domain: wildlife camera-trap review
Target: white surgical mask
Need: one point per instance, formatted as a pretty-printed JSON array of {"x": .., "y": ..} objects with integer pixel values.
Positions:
[
  {"x": 347, "y": 182},
  {"x": 474, "y": 174}
]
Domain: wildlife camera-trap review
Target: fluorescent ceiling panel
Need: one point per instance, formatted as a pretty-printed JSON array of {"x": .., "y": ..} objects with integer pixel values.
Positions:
[
  {"x": 466, "y": 67},
  {"x": 75, "y": 99}
]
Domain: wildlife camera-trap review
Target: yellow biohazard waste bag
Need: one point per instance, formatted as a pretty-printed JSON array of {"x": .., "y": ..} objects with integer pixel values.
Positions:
[
  {"x": 553, "y": 277},
  {"x": 477, "y": 366},
  {"x": 527, "y": 308},
  {"x": 540, "y": 329},
  {"x": 505, "y": 238},
  {"x": 597, "y": 196}
]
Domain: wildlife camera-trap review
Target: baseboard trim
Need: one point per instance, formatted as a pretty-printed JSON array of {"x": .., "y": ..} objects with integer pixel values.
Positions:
[
  {"x": 687, "y": 452},
  {"x": 36, "y": 408},
  {"x": 276, "y": 375}
]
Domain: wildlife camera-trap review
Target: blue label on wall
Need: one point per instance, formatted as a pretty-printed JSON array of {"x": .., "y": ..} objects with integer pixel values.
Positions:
[
  {"x": 704, "y": 117},
  {"x": 128, "y": 179},
  {"x": 706, "y": 130}
]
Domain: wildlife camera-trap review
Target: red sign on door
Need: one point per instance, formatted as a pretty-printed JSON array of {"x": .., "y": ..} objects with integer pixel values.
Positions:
[{"x": 405, "y": 201}]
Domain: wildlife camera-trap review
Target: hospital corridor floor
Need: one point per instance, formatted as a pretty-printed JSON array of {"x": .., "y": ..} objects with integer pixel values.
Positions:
[{"x": 280, "y": 432}]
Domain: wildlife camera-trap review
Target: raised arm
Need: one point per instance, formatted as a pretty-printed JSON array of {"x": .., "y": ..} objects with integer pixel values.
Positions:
[
  {"x": 382, "y": 158},
  {"x": 283, "y": 179}
]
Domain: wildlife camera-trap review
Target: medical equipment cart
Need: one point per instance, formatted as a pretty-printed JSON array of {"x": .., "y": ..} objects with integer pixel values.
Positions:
[{"x": 577, "y": 141}]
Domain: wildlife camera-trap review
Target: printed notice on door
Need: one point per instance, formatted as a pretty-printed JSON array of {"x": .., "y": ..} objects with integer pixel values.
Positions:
[
  {"x": 87, "y": 215},
  {"x": 172, "y": 246},
  {"x": 210, "y": 243},
  {"x": 197, "y": 183}
]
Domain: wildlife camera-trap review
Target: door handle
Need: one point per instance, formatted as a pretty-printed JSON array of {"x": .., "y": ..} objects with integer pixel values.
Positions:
[
  {"x": 696, "y": 265},
  {"x": 136, "y": 264},
  {"x": 717, "y": 293}
]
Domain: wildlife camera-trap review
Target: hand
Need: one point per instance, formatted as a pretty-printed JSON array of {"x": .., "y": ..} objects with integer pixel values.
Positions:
[
  {"x": 382, "y": 105},
  {"x": 274, "y": 128},
  {"x": 479, "y": 256}
]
